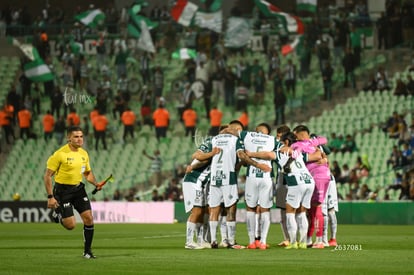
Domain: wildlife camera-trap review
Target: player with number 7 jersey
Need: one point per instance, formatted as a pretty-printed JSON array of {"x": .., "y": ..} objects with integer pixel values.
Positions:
[{"x": 223, "y": 152}]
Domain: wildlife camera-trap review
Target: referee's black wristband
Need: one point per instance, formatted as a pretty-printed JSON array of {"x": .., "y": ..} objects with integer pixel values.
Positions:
[{"x": 49, "y": 196}]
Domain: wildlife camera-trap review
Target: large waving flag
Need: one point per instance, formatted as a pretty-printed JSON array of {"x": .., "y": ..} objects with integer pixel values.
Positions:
[
  {"x": 292, "y": 23},
  {"x": 145, "y": 41},
  {"x": 91, "y": 18},
  {"x": 212, "y": 20},
  {"x": 37, "y": 70},
  {"x": 238, "y": 33},
  {"x": 306, "y": 5},
  {"x": 183, "y": 12}
]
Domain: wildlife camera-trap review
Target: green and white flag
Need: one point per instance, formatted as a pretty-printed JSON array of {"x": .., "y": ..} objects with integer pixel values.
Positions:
[
  {"x": 27, "y": 49},
  {"x": 291, "y": 23},
  {"x": 212, "y": 20},
  {"x": 145, "y": 41},
  {"x": 37, "y": 70},
  {"x": 184, "y": 53},
  {"x": 91, "y": 18},
  {"x": 306, "y": 5},
  {"x": 238, "y": 33},
  {"x": 136, "y": 19}
]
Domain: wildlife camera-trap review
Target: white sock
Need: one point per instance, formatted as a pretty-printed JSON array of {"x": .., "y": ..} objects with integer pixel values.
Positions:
[
  {"x": 231, "y": 232},
  {"x": 333, "y": 222},
  {"x": 265, "y": 216},
  {"x": 325, "y": 229},
  {"x": 206, "y": 229},
  {"x": 213, "y": 230},
  {"x": 292, "y": 227},
  {"x": 190, "y": 232},
  {"x": 303, "y": 225},
  {"x": 251, "y": 225},
  {"x": 283, "y": 224},
  {"x": 257, "y": 225},
  {"x": 223, "y": 227},
  {"x": 199, "y": 232}
]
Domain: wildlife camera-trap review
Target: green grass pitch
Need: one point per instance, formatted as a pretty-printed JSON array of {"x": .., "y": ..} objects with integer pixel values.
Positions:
[{"x": 159, "y": 249}]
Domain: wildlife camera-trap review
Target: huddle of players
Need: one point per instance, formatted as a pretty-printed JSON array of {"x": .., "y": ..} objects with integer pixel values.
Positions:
[{"x": 211, "y": 180}]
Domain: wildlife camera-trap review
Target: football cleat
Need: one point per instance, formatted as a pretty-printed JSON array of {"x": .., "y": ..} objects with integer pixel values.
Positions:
[
  {"x": 263, "y": 246},
  {"x": 205, "y": 245},
  {"x": 284, "y": 243},
  {"x": 214, "y": 245},
  {"x": 88, "y": 255},
  {"x": 236, "y": 246},
  {"x": 332, "y": 242},
  {"x": 193, "y": 246},
  {"x": 292, "y": 246},
  {"x": 302, "y": 246},
  {"x": 252, "y": 246},
  {"x": 319, "y": 245},
  {"x": 224, "y": 243}
]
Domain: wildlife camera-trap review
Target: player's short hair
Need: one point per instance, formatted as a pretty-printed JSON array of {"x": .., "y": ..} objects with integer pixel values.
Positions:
[
  {"x": 223, "y": 126},
  {"x": 267, "y": 126},
  {"x": 290, "y": 137},
  {"x": 301, "y": 128},
  {"x": 237, "y": 122},
  {"x": 73, "y": 129},
  {"x": 283, "y": 129}
]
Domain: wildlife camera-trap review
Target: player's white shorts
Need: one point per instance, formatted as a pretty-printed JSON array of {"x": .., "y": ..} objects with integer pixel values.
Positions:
[
  {"x": 281, "y": 192},
  {"x": 259, "y": 191},
  {"x": 226, "y": 193},
  {"x": 332, "y": 195},
  {"x": 193, "y": 196},
  {"x": 300, "y": 195}
]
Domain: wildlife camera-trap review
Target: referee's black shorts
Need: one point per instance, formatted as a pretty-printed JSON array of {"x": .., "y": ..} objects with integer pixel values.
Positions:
[{"x": 71, "y": 196}]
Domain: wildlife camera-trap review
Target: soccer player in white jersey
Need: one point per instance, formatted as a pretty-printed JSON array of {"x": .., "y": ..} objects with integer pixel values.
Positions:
[
  {"x": 329, "y": 210},
  {"x": 224, "y": 150},
  {"x": 281, "y": 192},
  {"x": 259, "y": 185},
  {"x": 300, "y": 185},
  {"x": 193, "y": 190}
]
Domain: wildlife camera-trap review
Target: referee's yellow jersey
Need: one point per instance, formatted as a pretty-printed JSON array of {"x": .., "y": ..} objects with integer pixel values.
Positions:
[{"x": 69, "y": 165}]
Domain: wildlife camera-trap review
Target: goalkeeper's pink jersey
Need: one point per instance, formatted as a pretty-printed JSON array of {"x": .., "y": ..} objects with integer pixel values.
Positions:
[{"x": 309, "y": 146}]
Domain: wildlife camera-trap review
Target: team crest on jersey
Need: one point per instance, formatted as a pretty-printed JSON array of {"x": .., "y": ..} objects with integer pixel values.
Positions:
[{"x": 85, "y": 198}]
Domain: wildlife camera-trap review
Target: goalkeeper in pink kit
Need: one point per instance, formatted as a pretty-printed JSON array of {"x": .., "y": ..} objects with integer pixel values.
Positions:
[{"x": 321, "y": 174}]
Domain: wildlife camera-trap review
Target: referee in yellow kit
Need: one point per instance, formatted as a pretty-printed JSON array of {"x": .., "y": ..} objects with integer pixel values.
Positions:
[{"x": 67, "y": 165}]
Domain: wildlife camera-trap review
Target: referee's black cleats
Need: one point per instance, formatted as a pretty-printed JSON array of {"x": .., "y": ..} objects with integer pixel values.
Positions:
[{"x": 88, "y": 255}]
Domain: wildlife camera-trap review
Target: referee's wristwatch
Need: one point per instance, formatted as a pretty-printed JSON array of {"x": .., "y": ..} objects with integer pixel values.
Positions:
[{"x": 49, "y": 196}]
